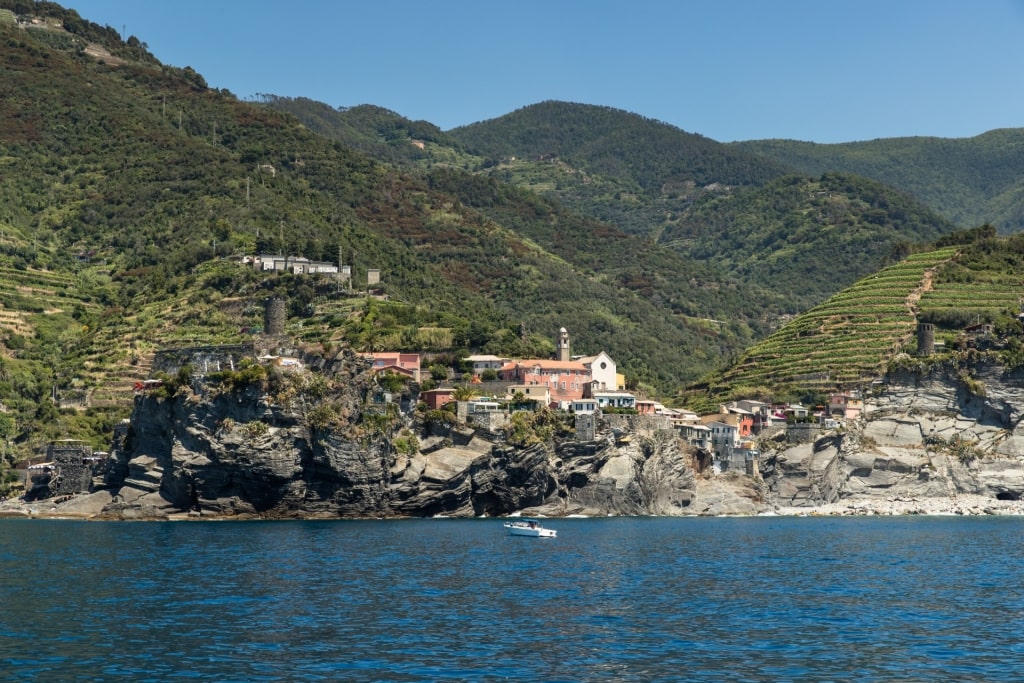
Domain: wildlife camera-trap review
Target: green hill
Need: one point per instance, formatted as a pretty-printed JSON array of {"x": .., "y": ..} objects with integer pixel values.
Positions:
[
  {"x": 129, "y": 191},
  {"x": 801, "y": 237},
  {"x": 742, "y": 216},
  {"x": 853, "y": 337},
  {"x": 970, "y": 181},
  {"x": 616, "y": 144},
  {"x": 787, "y": 241}
]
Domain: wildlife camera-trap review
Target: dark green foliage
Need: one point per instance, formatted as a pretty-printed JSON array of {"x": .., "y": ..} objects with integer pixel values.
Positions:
[
  {"x": 249, "y": 373},
  {"x": 385, "y": 135},
  {"x": 802, "y": 236},
  {"x": 965, "y": 237},
  {"x": 610, "y": 142},
  {"x": 970, "y": 181}
]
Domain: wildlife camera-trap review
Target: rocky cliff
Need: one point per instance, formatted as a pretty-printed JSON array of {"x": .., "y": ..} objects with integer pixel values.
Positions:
[
  {"x": 331, "y": 442},
  {"x": 334, "y": 443},
  {"x": 925, "y": 436}
]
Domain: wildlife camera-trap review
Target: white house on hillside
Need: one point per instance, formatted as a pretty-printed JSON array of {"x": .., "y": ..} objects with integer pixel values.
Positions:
[{"x": 486, "y": 362}]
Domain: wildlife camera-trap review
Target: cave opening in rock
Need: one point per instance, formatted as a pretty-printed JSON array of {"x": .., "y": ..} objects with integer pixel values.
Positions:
[{"x": 1008, "y": 495}]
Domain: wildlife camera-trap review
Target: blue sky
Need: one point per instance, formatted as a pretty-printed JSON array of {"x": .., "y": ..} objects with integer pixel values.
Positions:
[{"x": 827, "y": 71}]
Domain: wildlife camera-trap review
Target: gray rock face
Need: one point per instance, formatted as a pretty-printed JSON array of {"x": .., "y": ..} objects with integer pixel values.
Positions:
[
  {"x": 247, "y": 452},
  {"x": 924, "y": 436},
  {"x": 257, "y": 451}
]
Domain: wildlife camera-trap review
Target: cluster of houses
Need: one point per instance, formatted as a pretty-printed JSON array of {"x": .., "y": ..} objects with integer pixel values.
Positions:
[
  {"x": 579, "y": 384},
  {"x": 587, "y": 385}
]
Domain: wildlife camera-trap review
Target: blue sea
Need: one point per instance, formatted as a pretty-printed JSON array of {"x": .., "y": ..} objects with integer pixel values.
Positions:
[{"x": 616, "y": 599}]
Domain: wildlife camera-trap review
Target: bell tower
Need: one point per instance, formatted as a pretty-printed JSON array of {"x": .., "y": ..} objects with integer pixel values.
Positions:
[{"x": 564, "y": 354}]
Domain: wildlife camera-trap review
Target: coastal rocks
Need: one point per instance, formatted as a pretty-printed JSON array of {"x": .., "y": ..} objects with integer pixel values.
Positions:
[
  {"x": 650, "y": 475},
  {"x": 244, "y": 452},
  {"x": 924, "y": 438}
]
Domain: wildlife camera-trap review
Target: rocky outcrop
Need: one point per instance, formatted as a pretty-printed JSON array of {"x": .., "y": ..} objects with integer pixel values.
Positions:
[
  {"x": 264, "y": 449},
  {"x": 932, "y": 435},
  {"x": 324, "y": 445}
]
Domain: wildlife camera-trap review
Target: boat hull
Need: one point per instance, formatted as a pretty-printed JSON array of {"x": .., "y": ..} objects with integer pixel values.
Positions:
[{"x": 520, "y": 529}]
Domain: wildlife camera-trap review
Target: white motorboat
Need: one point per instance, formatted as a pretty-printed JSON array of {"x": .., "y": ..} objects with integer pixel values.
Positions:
[{"x": 529, "y": 527}]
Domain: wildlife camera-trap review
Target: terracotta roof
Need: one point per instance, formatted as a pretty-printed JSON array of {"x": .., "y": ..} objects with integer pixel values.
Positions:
[{"x": 550, "y": 364}]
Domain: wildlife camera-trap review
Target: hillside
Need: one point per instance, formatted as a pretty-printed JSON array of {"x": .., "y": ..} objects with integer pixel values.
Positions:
[
  {"x": 857, "y": 335},
  {"x": 378, "y": 132},
  {"x": 970, "y": 181},
  {"x": 130, "y": 190},
  {"x": 613, "y": 143},
  {"x": 772, "y": 234},
  {"x": 803, "y": 237}
]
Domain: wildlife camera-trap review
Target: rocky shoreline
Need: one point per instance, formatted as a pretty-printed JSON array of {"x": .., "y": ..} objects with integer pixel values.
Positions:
[
  {"x": 966, "y": 505},
  {"x": 91, "y": 506}
]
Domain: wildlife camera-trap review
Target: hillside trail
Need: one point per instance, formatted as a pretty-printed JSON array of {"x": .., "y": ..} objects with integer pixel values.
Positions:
[{"x": 926, "y": 286}]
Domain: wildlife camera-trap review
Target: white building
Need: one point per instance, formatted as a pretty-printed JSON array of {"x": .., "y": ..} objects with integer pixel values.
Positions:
[
  {"x": 486, "y": 362},
  {"x": 602, "y": 370},
  {"x": 615, "y": 399}
]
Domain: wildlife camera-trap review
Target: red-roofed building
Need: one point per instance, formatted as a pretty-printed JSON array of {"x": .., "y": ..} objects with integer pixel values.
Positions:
[{"x": 407, "y": 364}]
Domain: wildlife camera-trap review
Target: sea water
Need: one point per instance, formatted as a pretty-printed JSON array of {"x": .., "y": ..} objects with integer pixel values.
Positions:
[{"x": 617, "y": 599}]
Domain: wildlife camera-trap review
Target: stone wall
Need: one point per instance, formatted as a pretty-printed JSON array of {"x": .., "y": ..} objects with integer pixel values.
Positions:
[
  {"x": 203, "y": 359},
  {"x": 73, "y": 463}
]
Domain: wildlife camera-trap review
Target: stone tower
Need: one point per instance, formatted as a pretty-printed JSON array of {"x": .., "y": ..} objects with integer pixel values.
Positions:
[
  {"x": 274, "y": 316},
  {"x": 925, "y": 339},
  {"x": 564, "y": 353}
]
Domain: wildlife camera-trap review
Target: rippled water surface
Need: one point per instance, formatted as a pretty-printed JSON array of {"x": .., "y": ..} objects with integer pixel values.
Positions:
[{"x": 762, "y": 599}]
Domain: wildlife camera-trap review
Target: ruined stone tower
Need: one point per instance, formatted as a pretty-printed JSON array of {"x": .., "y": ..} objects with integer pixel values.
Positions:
[
  {"x": 274, "y": 316},
  {"x": 925, "y": 339}
]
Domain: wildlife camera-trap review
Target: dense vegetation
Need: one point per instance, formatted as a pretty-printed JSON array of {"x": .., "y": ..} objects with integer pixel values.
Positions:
[
  {"x": 615, "y": 144},
  {"x": 129, "y": 191},
  {"x": 970, "y": 181},
  {"x": 803, "y": 236},
  {"x": 772, "y": 236}
]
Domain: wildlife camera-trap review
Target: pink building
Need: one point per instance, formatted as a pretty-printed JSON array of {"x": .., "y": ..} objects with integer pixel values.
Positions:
[
  {"x": 565, "y": 379},
  {"x": 845, "y": 406},
  {"x": 436, "y": 398},
  {"x": 407, "y": 364}
]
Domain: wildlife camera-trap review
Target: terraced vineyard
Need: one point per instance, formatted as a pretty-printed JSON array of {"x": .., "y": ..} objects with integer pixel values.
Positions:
[
  {"x": 987, "y": 296},
  {"x": 845, "y": 341}
]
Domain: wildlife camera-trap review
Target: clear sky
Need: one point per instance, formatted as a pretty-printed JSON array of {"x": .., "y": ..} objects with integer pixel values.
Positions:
[{"x": 826, "y": 71}]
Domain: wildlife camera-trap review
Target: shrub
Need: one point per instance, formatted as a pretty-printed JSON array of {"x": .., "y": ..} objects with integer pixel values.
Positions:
[
  {"x": 255, "y": 429},
  {"x": 323, "y": 416}
]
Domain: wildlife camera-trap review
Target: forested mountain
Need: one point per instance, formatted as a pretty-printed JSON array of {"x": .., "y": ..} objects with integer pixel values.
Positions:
[
  {"x": 803, "y": 237},
  {"x": 615, "y": 144},
  {"x": 379, "y": 132},
  {"x": 743, "y": 218},
  {"x": 130, "y": 190},
  {"x": 970, "y": 181}
]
